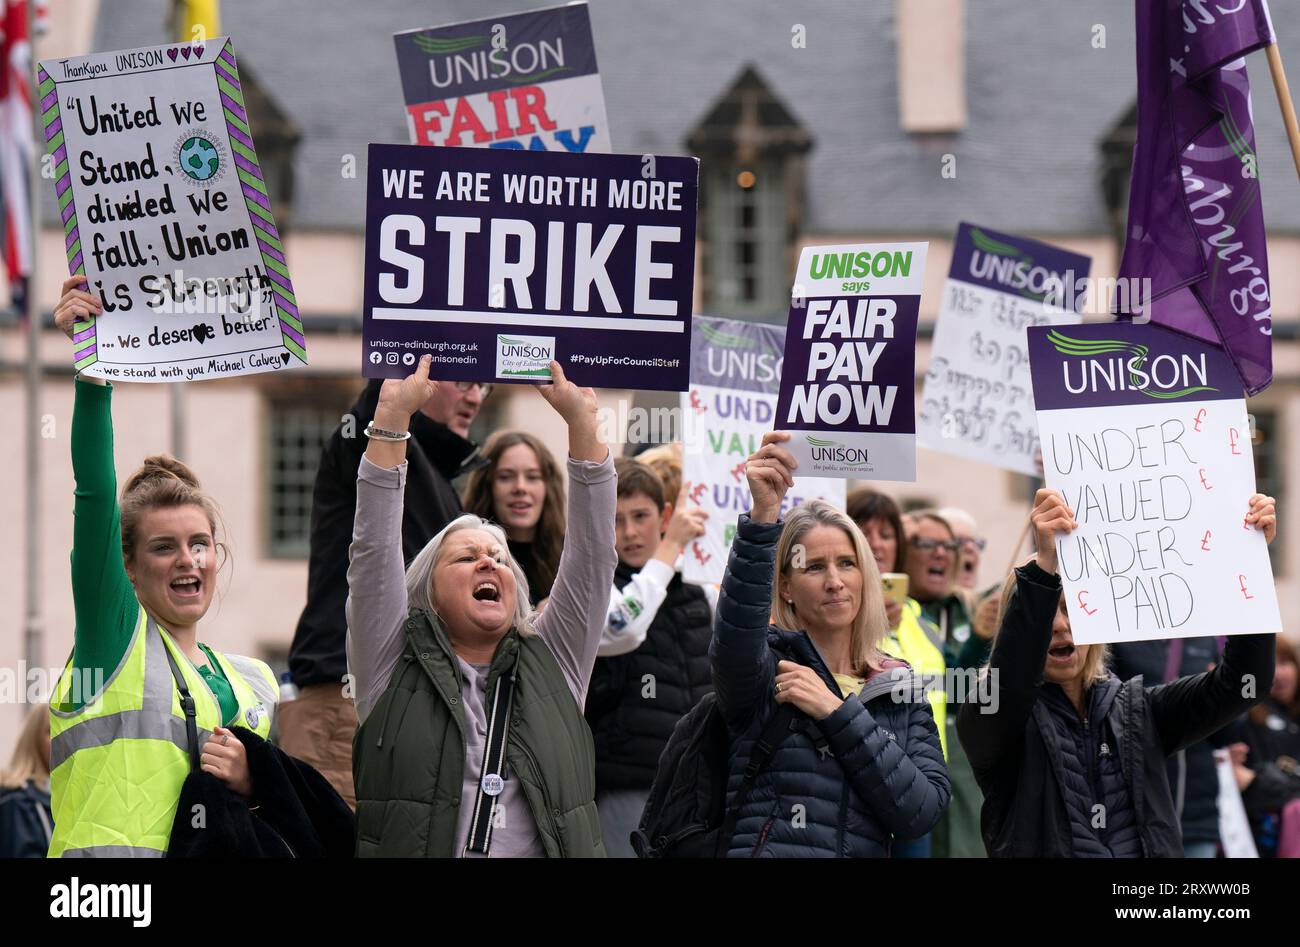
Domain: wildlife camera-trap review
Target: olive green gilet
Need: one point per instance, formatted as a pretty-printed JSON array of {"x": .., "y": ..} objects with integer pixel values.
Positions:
[{"x": 408, "y": 757}]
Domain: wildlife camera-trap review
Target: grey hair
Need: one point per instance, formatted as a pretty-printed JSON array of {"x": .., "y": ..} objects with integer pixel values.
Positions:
[{"x": 419, "y": 574}]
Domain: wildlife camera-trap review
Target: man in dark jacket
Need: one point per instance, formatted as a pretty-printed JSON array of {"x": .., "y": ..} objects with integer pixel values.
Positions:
[
  {"x": 318, "y": 727},
  {"x": 1192, "y": 775}
]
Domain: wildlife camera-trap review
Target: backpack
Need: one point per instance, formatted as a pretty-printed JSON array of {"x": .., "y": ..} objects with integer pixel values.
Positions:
[{"x": 686, "y": 814}]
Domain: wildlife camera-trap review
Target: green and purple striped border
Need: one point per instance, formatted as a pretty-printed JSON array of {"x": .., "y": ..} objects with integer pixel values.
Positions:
[
  {"x": 83, "y": 339},
  {"x": 259, "y": 203},
  {"x": 250, "y": 178}
]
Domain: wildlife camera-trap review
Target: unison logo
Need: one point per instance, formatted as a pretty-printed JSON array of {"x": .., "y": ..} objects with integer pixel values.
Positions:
[
  {"x": 525, "y": 356},
  {"x": 728, "y": 354},
  {"x": 1013, "y": 268},
  {"x": 457, "y": 60},
  {"x": 1113, "y": 365},
  {"x": 860, "y": 264},
  {"x": 835, "y": 452}
]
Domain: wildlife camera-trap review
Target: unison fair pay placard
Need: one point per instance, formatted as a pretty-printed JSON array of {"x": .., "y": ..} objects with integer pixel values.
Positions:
[
  {"x": 1144, "y": 432},
  {"x": 497, "y": 261},
  {"x": 526, "y": 82},
  {"x": 848, "y": 385}
]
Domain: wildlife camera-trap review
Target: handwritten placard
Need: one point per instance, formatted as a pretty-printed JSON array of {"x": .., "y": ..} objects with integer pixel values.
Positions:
[
  {"x": 735, "y": 371},
  {"x": 1145, "y": 434},
  {"x": 166, "y": 214},
  {"x": 978, "y": 399}
]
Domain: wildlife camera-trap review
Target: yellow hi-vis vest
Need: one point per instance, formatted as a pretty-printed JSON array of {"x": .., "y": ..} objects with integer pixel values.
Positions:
[
  {"x": 910, "y": 642},
  {"x": 117, "y": 764}
]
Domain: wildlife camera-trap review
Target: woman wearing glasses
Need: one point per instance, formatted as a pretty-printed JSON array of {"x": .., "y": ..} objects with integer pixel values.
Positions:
[
  {"x": 933, "y": 554},
  {"x": 318, "y": 727}
]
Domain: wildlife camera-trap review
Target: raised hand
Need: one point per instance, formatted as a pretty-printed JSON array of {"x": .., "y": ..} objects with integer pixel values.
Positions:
[
  {"x": 687, "y": 523},
  {"x": 1263, "y": 514},
  {"x": 1049, "y": 517},
  {"x": 399, "y": 398},
  {"x": 578, "y": 408},
  {"x": 75, "y": 305},
  {"x": 770, "y": 472}
]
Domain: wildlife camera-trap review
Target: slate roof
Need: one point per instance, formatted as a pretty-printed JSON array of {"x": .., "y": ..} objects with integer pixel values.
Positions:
[{"x": 1040, "y": 98}]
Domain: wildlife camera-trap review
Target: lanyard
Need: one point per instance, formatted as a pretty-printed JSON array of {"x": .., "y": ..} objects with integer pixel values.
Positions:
[
  {"x": 492, "y": 778},
  {"x": 187, "y": 705}
]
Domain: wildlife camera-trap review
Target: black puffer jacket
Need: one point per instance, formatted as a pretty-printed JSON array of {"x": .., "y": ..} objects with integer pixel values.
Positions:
[
  {"x": 631, "y": 717},
  {"x": 838, "y": 787},
  {"x": 1016, "y": 753},
  {"x": 1192, "y": 777},
  {"x": 1103, "y": 823}
]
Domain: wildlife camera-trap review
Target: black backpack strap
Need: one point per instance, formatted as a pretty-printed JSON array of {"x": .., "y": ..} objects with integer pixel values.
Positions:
[
  {"x": 187, "y": 705},
  {"x": 765, "y": 747}
]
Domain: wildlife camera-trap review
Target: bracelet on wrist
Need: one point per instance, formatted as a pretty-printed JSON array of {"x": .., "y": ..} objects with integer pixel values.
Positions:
[{"x": 379, "y": 434}]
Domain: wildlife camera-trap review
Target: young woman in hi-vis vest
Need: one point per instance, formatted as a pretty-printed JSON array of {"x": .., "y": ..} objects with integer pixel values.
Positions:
[{"x": 143, "y": 577}]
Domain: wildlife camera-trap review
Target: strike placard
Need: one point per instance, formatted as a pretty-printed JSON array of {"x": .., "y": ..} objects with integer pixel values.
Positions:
[
  {"x": 166, "y": 213},
  {"x": 1145, "y": 434},
  {"x": 735, "y": 373},
  {"x": 848, "y": 386},
  {"x": 495, "y": 262},
  {"x": 526, "y": 82},
  {"x": 978, "y": 398}
]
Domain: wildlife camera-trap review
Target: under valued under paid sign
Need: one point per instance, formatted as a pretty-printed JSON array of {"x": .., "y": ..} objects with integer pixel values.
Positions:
[{"x": 1145, "y": 434}]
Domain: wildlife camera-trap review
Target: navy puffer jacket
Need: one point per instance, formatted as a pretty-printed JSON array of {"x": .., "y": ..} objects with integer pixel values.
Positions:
[{"x": 840, "y": 787}]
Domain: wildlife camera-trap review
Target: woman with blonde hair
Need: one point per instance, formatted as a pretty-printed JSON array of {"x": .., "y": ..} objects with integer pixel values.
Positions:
[
  {"x": 860, "y": 761},
  {"x": 1072, "y": 760},
  {"x": 25, "y": 820}
]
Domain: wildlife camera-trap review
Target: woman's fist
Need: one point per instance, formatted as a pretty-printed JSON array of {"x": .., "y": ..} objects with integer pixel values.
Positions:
[{"x": 770, "y": 472}]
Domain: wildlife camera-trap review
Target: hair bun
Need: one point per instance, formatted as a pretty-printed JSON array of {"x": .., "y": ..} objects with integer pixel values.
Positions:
[{"x": 160, "y": 467}]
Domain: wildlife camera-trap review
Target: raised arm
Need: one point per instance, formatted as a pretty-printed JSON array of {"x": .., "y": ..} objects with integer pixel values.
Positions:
[
  {"x": 994, "y": 731},
  {"x": 103, "y": 600},
  {"x": 377, "y": 605},
  {"x": 743, "y": 665},
  {"x": 574, "y": 618}
]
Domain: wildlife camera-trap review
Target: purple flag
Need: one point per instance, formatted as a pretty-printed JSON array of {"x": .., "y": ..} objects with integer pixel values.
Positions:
[{"x": 1195, "y": 222}]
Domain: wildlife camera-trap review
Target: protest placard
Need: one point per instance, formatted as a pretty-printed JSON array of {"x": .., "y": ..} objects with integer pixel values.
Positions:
[
  {"x": 735, "y": 373},
  {"x": 526, "y": 82},
  {"x": 1146, "y": 436},
  {"x": 978, "y": 399},
  {"x": 165, "y": 212},
  {"x": 848, "y": 389},
  {"x": 495, "y": 262}
]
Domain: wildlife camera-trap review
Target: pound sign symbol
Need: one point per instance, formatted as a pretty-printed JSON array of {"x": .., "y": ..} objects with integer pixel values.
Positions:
[
  {"x": 1084, "y": 605},
  {"x": 1233, "y": 434},
  {"x": 1241, "y": 580},
  {"x": 1205, "y": 540},
  {"x": 1196, "y": 421},
  {"x": 1205, "y": 483}
]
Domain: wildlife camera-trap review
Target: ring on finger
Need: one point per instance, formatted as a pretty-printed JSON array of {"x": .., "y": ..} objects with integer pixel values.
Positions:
[{"x": 779, "y": 686}]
